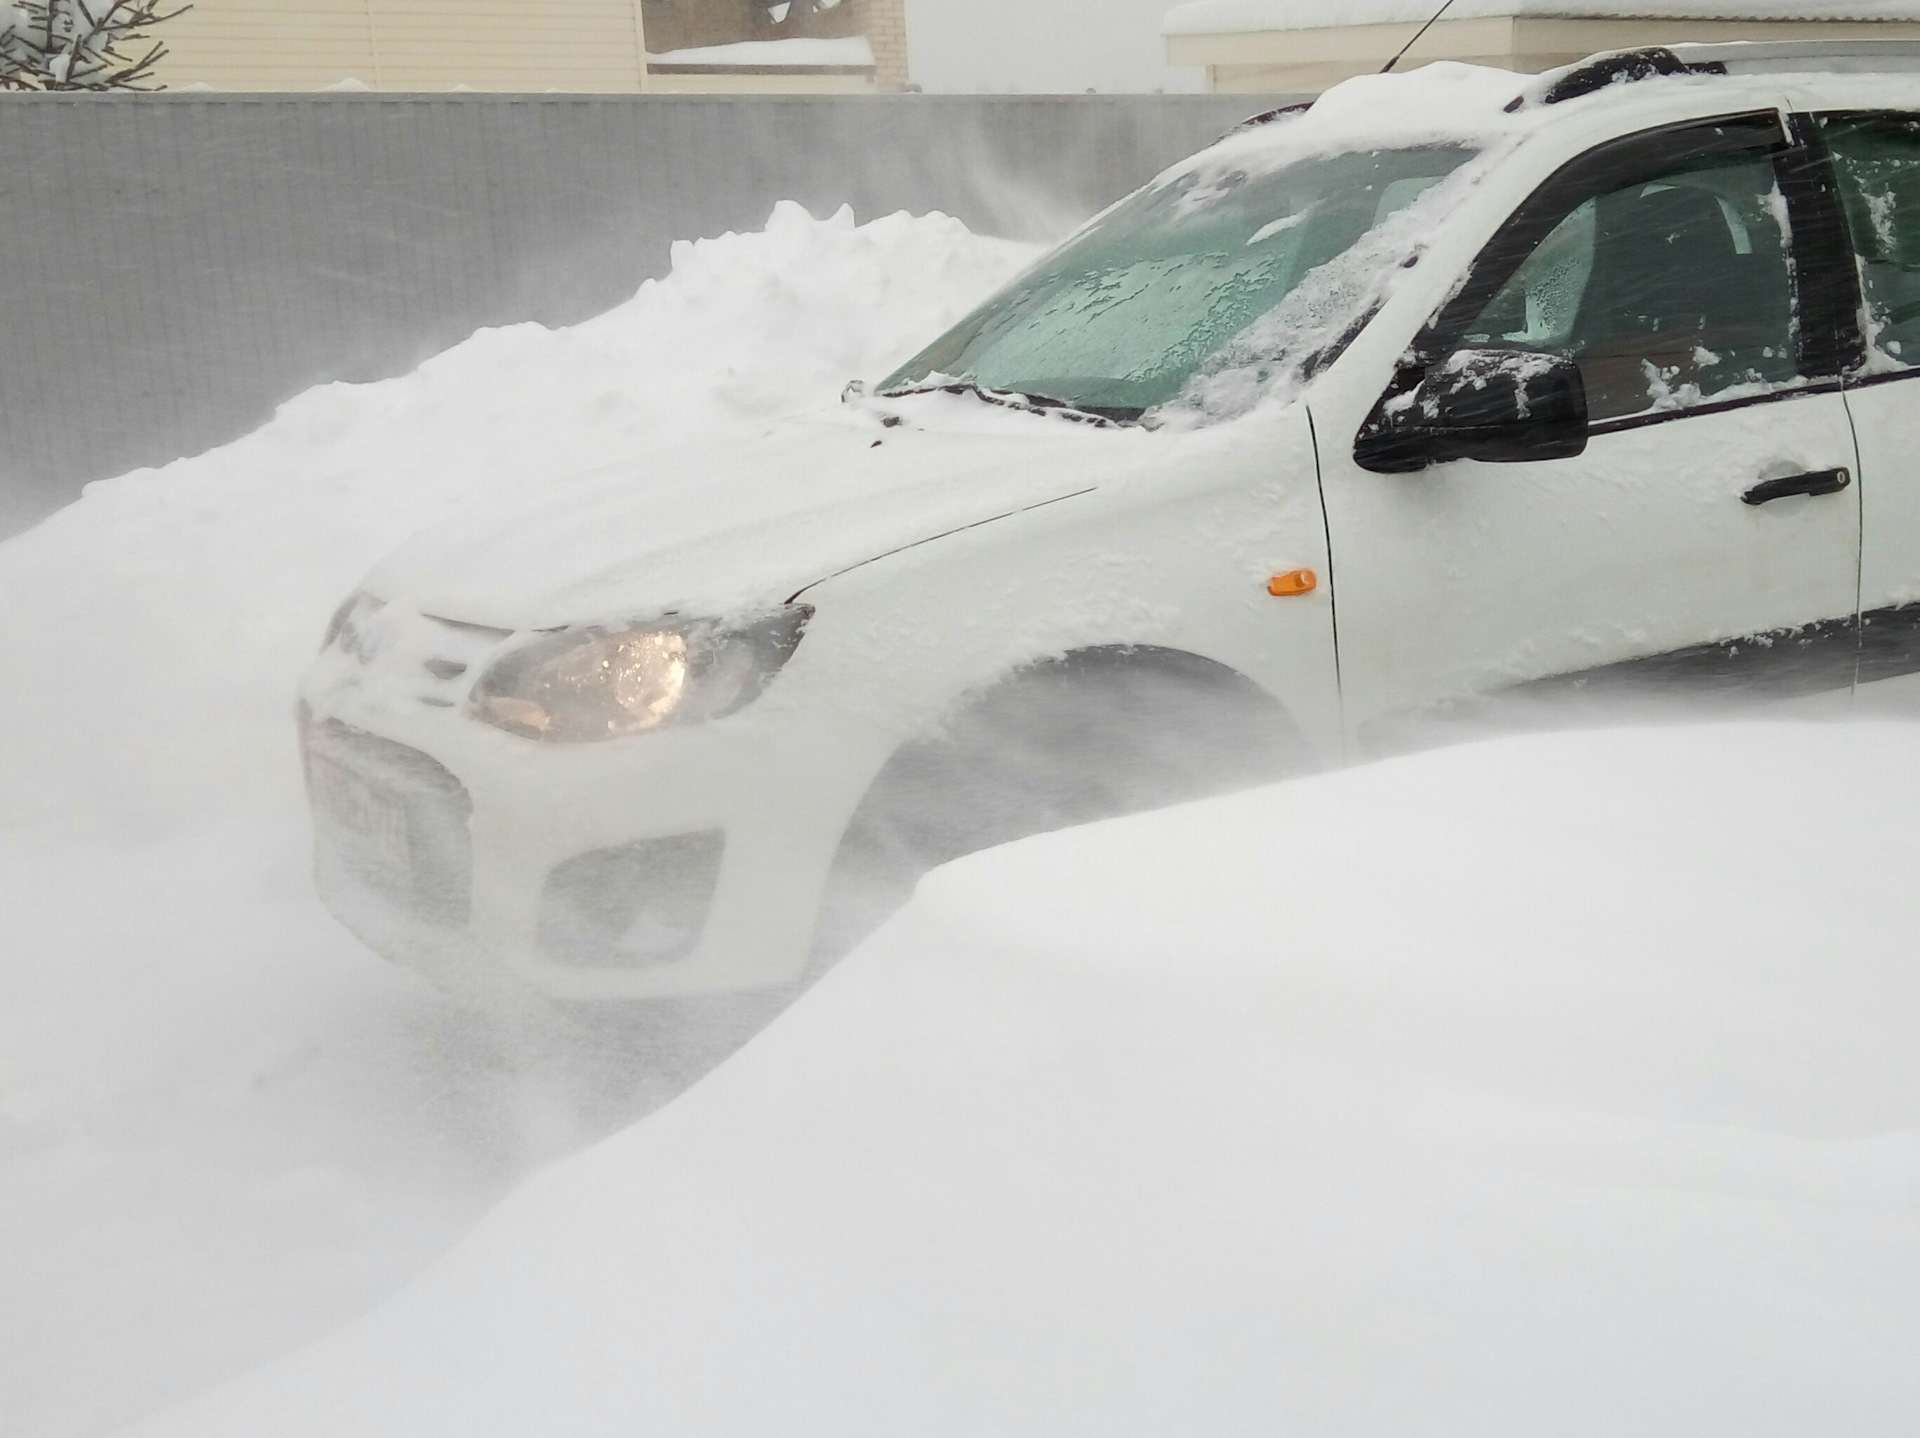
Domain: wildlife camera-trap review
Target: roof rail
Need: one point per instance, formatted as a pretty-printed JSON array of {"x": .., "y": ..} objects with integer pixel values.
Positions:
[
  {"x": 1787, "y": 57},
  {"x": 1743, "y": 57}
]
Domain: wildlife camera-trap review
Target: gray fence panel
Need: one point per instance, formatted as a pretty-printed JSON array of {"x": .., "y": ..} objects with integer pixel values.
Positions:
[{"x": 177, "y": 265}]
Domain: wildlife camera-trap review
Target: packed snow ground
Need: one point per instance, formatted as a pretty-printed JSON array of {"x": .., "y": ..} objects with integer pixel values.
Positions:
[
  {"x": 224, "y": 1126},
  {"x": 1562, "y": 1085}
]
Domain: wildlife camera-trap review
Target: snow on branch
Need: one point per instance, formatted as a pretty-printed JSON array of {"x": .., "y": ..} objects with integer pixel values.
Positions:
[{"x": 81, "y": 44}]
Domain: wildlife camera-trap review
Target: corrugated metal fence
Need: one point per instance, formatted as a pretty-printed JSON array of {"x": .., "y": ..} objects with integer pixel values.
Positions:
[{"x": 177, "y": 265}]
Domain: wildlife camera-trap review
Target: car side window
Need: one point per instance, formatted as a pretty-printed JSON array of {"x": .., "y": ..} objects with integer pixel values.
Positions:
[
  {"x": 1671, "y": 290},
  {"x": 1876, "y": 161}
]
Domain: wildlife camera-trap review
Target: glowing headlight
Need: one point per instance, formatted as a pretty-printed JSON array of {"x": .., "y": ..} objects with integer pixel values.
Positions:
[{"x": 601, "y": 682}]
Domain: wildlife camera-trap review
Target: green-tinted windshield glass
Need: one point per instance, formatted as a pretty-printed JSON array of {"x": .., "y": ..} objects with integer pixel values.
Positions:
[{"x": 1121, "y": 316}]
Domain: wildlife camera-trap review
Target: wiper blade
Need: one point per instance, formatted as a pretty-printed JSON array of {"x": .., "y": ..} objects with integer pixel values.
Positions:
[{"x": 1104, "y": 416}]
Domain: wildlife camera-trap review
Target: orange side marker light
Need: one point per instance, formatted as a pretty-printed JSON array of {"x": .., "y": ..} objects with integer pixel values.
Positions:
[{"x": 1294, "y": 581}]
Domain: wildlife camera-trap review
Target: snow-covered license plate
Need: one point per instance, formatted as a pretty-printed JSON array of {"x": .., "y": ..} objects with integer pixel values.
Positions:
[{"x": 362, "y": 818}]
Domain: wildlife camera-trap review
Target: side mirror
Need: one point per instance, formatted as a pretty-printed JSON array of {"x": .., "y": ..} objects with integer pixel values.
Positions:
[{"x": 1489, "y": 404}]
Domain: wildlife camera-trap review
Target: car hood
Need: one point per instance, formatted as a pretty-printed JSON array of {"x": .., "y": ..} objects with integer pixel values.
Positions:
[{"x": 726, "y": 528}]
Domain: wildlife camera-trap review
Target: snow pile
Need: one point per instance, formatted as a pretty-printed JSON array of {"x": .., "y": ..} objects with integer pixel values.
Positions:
[
  {"x": 849, "y": 50},
  {"x": 155, "y": 628},
  {"x": 1227, "y": 17},
  {"x": 1561, "y": 1085},
  {"x": 225, "y": 1127}
]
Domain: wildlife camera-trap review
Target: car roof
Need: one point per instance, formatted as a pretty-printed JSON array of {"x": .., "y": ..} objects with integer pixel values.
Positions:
[
  {"x": 1450, "y": 103},
  {"x": 1736, "y": 59},
  {"x": 1460, "y": 101}
]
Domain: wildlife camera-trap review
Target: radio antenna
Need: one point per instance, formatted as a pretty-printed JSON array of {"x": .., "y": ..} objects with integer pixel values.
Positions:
[{"x": 1401, "y": 52}]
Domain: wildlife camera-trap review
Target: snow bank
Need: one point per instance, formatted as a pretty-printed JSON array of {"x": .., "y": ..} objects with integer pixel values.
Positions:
[
  {"x": 154, "y": 629},
  {"x": 1226, "y": 17},
  {"x": 803, "y": 50},
  {"x": 225, "y": 1127},
  {"x": 1561, "y": 1085}
]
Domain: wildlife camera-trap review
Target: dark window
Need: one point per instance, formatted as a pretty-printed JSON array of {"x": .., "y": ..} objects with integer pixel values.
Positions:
[
  {"x": 1876, "y": 161},
  {"x": 1670, "y": 290}
]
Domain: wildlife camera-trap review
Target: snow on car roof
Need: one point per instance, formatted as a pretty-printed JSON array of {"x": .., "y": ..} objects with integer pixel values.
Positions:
[
  {"x": 1214, "y": 17},
  {"x": 1445, "y": 103}
]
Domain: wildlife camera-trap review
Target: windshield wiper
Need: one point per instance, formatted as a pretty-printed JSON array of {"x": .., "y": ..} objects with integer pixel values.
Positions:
[{"x": 1105, "y": 416}]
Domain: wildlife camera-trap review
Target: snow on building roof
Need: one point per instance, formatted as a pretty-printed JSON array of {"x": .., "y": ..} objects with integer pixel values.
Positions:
[
  {"x": 759, "y": 54},
  {"x": 1216, "y": 17}
]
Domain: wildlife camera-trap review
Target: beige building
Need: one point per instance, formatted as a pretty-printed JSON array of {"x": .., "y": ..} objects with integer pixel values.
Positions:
[
  {"x": 1286, "y": 46},
  {"x": 603, "y": 46}
]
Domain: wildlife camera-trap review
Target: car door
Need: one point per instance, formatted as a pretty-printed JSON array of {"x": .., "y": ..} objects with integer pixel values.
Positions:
[
  {"x": 1876, "y": 163},
  {"x": 1664, "y": 265}
]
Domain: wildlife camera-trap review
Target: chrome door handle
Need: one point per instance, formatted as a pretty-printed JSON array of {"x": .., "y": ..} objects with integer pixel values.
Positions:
[{"x": 1814, "y": 481}]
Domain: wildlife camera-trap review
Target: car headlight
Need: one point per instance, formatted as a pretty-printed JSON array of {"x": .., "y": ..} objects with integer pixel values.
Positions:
[
  {"x": 600, "y": 682},
  {"x": 347, "y": 627}
]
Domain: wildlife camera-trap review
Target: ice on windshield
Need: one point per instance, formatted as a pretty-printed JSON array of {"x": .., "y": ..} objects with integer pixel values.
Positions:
[{"x": 1125, "y": 316}]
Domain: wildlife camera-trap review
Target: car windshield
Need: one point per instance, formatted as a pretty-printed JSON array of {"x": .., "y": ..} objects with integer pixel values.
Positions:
[{"x": 1121, "y": 317}]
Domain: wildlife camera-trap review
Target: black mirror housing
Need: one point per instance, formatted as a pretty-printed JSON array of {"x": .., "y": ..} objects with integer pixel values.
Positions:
[{"x": 1505, "y": 406}]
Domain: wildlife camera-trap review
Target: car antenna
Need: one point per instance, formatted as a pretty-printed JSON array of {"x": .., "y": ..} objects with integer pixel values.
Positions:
[{"x": 1401, "y": 52}]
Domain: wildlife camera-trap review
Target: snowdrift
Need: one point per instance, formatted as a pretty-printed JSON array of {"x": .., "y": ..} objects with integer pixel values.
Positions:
[
  {"x": 154, "y": 629},
  {"x": 1558, "y": 1085},
  {"x": 224, "y": 1126}
]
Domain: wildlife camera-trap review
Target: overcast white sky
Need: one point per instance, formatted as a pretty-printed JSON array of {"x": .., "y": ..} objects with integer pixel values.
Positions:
[{"x": 1042, "y": 46}]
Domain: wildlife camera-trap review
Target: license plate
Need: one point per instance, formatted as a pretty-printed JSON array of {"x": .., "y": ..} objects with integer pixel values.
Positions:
[{"x": 363, "y": 819}]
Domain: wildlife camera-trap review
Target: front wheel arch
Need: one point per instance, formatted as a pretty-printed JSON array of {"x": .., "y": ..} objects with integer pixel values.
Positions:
[{"x": 1090, "y": 734}]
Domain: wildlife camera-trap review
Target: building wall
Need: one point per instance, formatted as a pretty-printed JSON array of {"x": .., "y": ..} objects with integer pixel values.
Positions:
[
  {"x": 592, "y": 46},
  {"x": 269, "y": 44},
  {"x": 520, "y": 46},
  {"x": 1311, "y": 60},
  {"x": 691, "y": 24},
  {"x": 884, "y": 23}
]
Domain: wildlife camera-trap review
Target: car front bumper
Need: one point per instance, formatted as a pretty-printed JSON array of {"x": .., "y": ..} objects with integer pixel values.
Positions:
[{"x": 675, "y": 863}]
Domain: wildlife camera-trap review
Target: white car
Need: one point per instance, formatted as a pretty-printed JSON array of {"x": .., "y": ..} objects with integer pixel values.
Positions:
[{"x": 1454, "y": 384}]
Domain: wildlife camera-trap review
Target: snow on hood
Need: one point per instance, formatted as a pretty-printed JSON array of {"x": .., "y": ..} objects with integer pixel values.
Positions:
[{"x": 724, "y": 530}]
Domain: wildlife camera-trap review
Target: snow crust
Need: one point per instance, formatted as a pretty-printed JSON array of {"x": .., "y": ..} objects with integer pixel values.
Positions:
[
  {"x": 225, "y": 1127},
  {"x": 1226, "y": 17},
  {"x": 801, "y": 50},
  {"x": 1536, "y": 1084}
]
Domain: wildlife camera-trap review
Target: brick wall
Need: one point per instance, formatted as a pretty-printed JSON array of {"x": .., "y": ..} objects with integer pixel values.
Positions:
[{"x": 884, "y": 23}]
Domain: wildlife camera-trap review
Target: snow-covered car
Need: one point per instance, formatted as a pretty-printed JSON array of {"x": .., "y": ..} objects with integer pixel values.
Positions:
[{"x": 1449, "y": 385}]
